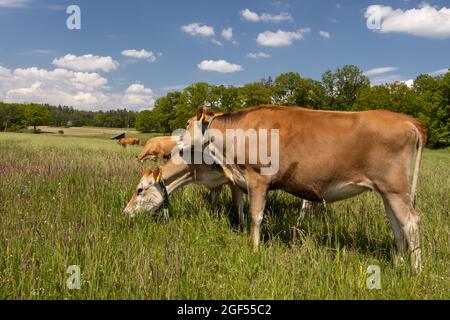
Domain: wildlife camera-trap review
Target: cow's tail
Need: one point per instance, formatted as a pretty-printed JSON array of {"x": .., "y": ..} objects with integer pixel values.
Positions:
[{"x": 420, "y": 145}]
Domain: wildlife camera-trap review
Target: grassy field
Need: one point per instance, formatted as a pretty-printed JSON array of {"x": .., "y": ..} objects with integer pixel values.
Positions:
[{"x": 61, "y": 200}]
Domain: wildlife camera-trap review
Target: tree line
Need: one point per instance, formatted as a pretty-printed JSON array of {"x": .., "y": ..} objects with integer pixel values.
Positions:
[
  {"x": 344, "y": 89},
  {"x": 15, "y": 117}
]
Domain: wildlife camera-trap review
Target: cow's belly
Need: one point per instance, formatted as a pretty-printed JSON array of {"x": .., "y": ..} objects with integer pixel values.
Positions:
[
  {"x": 235, "y": 175},
  {"x": 344, "y": 191}
]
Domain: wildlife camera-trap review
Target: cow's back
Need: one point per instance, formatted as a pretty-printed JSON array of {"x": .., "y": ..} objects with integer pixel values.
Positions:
[{"x": 322, "y": 148}]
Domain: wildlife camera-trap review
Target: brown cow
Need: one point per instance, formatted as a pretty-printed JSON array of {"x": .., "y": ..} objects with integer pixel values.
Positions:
[
  {"x": 149, "y": 195},
  {"x": 131, "y": 141},
  {"x": 157, "y": 148},
  {"x": 325, "y": 156}
]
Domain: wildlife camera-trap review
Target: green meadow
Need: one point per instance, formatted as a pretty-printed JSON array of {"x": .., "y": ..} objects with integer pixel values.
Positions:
[{"x": 61, "y": 202}]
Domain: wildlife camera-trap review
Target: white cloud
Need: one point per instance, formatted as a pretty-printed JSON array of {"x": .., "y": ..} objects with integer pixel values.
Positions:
[
  {"x": 79, "y": 80},
  {"x": 217, "y": 42},
  {"x": 424, "y": 21},
  {"x": 176, "y": 87},
  {"x": 325, "y": 34},
  {"x": 139, "y": 54},
  {"x": 13, "y": 3},
  {"x": 138, "y": 96},
  {"x": 57, "y": 7},
  {"x": 198, "y": 29},
  {"x": 82, "y": 90},
  {"x": 221, "y": 66},
  {"x": 36, "y": 52},
  {"x": 58, "y": 86},
  {"x": 227, "y": 34},
  {"x": 383, "y": 79},
  {"x": 249, "y": 15},
  {"x": 4, "y": 72},
  {"x": 382, "y": 75},
  {"x": 86, "y": 62},
  {"x": 433, "y": 74},
  {"x": 280, "y": 38},
  {"x": 409, "y": 83},
  {"x": 258, "y": 55},
  {"x": 378, "y": 71}
]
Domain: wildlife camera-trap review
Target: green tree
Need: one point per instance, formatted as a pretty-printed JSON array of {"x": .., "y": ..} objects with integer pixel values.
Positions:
[
  {"x": 146, "y": 121},
  {"x": 11, "y": 116},
  {"x": 199, "y": 94},
  {"x": 164, "y": 109},
  {"x": 286, "y": 88},
  {"x": 433, "y": 94},
  {"x": 290, "y": 89},
  {"x": 254, "y": 94},
  {"x": 343, "y": 86},
  {"x": 376, "y": 97},
  {"x": 37, "y": 115},
  {"x": 225, "y": 99}
]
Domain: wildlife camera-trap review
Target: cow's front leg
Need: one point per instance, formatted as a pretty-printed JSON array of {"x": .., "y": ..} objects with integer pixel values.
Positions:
[
  {"x": 257, "y": 191},
  {"x": 215, "y": 194},
  {"x": 238, "y": 200}
]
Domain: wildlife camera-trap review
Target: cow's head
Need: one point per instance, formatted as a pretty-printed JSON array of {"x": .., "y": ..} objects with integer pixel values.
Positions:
[
  {"x": 203, "y": 115},
  {"x": 195, "y": 125},
  {"x": 149, "y": 194}
]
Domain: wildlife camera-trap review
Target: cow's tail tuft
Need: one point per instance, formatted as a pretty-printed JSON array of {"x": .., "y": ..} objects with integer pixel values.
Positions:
[{"x": 420, "y": 145}]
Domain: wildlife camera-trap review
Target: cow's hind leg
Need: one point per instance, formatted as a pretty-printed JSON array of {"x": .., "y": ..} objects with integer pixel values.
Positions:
[
  {"x": 404, "y": 217},
  {"x": 396, "y": 227},
  {"x": 257, "y": 191}
]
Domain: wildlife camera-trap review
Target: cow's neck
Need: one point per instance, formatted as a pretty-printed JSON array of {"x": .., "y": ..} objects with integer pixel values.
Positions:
[
  {"x": 217, "y": 123},
  {"x": 175, "y": 176}
]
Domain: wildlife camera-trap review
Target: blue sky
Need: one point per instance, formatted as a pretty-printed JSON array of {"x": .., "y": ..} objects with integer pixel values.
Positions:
[{"x": 131, "y": 52}]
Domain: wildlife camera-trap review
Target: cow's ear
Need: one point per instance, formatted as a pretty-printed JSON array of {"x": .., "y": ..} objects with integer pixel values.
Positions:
[
  {"x": 157, "y": 172},
  {"x": 208, "y": 112},
  {"x": 203, "y": 112},
  {"x": 199, "y": 114}
]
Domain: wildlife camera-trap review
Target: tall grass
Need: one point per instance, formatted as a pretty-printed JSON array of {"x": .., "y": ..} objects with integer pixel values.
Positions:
[{"x": 61, "y": 200}]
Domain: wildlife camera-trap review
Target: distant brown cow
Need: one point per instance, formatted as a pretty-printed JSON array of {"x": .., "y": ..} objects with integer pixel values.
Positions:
[
  {"x": 131, "y": 141},
  {"x": 157, "y": 148}
]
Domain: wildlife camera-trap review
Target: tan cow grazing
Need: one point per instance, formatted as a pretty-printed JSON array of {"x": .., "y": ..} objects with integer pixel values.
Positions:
[
  {"x": 157, "y": 148},
  {"x": 150, "y": 193},
  {"x": 326, "y": 156},
  {"x": 125, "y": 141}
]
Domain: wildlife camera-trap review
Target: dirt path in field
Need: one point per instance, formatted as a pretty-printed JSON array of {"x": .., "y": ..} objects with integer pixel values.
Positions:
[{"x": 86, "y": 131}]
